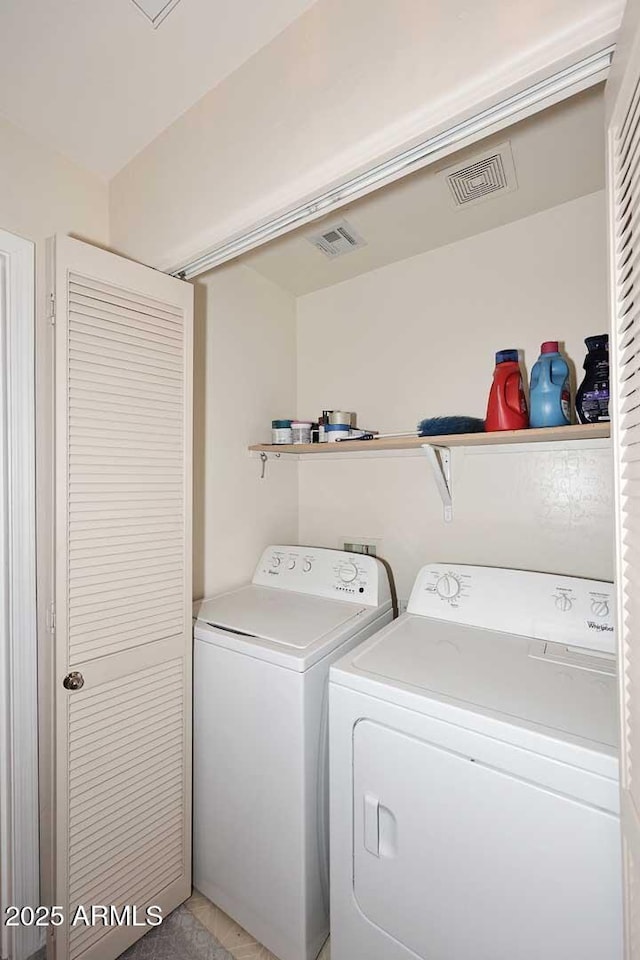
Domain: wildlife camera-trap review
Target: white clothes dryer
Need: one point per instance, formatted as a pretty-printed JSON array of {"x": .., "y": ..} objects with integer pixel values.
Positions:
[
  {"x": 261, "y": 663},
  {"x": 474, "y": 775}
]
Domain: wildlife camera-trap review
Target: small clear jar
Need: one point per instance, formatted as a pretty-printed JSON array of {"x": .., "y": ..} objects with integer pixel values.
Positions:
[{"x": 300, "y": 431}]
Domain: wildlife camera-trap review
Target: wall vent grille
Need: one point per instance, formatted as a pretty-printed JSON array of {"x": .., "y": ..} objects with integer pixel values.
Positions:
[
  {"x": 491, "y": 174},
  {"x": 337, "y": 239}
]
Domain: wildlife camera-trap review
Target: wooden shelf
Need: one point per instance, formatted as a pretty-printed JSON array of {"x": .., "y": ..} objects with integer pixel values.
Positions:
[{"x": 582, "y": 431}]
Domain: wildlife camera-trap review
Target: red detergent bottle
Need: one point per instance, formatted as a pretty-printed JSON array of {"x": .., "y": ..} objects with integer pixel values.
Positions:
[{"x": 507, "y": 408}]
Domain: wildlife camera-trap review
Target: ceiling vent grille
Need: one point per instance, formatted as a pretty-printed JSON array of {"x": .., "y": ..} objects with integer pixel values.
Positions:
[
  {"x": 491, "y": 174},
  {"x": 337, "y": 239},
  {"x": 155, "y": 10}
]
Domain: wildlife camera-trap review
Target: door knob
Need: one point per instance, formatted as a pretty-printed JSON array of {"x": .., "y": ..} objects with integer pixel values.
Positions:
[{"x": 73, "y": 681}]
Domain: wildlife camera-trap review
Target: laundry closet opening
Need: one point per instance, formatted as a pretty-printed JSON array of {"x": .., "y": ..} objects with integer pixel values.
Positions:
[{"x": 502, "y": 245}]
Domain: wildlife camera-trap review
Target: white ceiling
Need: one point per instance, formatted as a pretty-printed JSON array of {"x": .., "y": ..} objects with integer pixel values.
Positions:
[
  {"x": 558, "y": 156},
  {"x": 96, "y": 81}
]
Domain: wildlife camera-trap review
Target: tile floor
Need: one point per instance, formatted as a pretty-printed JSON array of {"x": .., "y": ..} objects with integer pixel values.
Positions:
[
  {"x": 240, "y": 944},
  {"x": 180, "y": 937}
]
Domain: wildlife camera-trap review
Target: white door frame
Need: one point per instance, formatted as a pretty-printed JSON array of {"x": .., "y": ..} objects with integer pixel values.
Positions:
[{"x": 19, "y": 855}]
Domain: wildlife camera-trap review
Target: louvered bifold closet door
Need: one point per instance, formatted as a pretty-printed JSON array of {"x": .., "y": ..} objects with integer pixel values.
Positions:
[
  {"x": 623, "y": 140},
  {"x": 123, "y": 593}
]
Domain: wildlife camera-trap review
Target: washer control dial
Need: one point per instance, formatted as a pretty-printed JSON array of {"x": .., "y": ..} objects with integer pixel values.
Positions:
[
  {"x": 448, "y": 586},
  {"x": 276, "y": 561},
  {"x": 306, "y": 566},
  {"x": 292, "y": 563},
  {"x": 348, "y": 572}
]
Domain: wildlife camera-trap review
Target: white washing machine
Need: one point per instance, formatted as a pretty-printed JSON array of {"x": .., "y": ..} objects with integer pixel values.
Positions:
[
  {"x": 474, "y": 775},
  {"x": 261, "y": 662}
]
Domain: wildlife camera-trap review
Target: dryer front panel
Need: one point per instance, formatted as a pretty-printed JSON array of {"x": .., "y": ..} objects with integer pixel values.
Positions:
[{"x": 456, "y": 858}]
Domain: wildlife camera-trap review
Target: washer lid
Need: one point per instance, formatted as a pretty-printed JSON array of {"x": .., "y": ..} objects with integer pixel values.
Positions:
[
  {"x": 293, "y": 620},
  {"x": 527, "y": 682}
]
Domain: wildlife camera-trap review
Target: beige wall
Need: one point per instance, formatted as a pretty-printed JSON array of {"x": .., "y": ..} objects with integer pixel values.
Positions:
[
  {"x": 347, "y": 84},
  {"x": 417, "y": 339},
  {"x": 43, "y": 193},
  {"x": 244, "y": 376}
]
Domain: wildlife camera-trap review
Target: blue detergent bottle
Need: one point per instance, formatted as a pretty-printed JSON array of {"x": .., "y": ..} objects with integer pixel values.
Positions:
[{"x": 550, "y": 397}]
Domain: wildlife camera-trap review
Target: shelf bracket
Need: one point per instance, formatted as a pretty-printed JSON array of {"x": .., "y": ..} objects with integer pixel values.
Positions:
[{"x": 440, "y": 460}]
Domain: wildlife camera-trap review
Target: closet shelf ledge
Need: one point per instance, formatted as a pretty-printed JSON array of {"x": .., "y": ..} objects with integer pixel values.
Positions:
[{"x": 581, "y": 431}]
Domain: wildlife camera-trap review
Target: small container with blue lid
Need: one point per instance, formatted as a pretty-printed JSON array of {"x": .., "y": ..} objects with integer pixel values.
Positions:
[{"x": 281, "y": 431}]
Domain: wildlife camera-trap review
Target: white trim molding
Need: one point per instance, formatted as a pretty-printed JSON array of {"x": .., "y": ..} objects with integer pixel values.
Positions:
[
  {"x": 544, "y": 93},
  {"x": 19, "y": 853}
]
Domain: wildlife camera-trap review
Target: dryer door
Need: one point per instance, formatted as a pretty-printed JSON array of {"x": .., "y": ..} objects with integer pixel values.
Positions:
[{"x": 456, "y": 858}]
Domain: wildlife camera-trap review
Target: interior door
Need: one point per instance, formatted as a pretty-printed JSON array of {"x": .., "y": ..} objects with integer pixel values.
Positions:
[
  {"x": 623, "y": 163},
  {"x": 122, "y": 770}
]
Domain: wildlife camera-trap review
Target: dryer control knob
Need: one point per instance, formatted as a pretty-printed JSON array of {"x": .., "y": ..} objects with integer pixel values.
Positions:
[
  {"x": 564, "y": 603},
  {"x": 448, "y": 586},
  {"x": 600, "y": 608},
  {"x": 348, "y": 572},
  {"x": 292, "y": 564},
  {"x": 306, "y": 566},
  {"x": 275, "y": 561}
]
